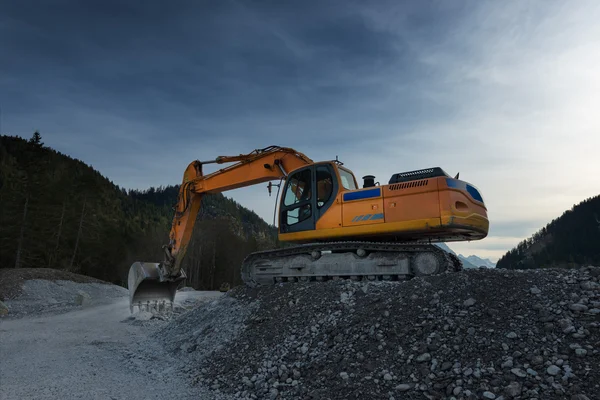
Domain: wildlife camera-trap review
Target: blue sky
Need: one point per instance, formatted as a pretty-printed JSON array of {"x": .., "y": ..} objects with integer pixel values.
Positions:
[{"x": 507, "y": 93}]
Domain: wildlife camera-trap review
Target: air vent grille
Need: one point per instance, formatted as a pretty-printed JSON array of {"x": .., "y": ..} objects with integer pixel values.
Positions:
[
  {"x": 418, "y": 174},
  {"x": 406, "y": 185}
]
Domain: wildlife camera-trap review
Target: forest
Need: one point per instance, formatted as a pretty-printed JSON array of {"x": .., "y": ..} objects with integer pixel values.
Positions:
[
  {"x": 57, "y": 212},
  {"x": 571, "y": 240}
]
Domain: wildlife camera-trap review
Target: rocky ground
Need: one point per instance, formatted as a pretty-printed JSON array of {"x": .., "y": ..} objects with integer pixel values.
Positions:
[
  {"x": 478, "y": 334},
  {"x": 63, "y": 339}
]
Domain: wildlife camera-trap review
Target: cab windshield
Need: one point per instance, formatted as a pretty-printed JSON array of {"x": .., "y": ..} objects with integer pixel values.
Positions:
[{"x": 347, "y": 179}]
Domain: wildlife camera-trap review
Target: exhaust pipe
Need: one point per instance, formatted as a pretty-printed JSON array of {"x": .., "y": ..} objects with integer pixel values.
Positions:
[{"x": 148, "y": 288}]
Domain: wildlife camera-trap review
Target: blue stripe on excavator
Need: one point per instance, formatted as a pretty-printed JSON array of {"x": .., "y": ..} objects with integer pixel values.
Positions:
[{"x": 363, "y": 194}]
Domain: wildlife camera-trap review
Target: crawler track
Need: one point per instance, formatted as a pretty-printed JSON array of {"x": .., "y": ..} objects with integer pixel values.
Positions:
[{"x": 347, "y": 260}]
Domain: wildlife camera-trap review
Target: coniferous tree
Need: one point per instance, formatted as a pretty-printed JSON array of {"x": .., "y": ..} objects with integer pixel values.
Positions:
[
  {"x": 567, "y": 241},
  {"x": 75, "y": 218},
  {"x": 36, "y": 139}
]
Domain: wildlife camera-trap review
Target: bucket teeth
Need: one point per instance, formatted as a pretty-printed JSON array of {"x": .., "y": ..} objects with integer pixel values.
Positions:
[{"x": 153, "y": 306}]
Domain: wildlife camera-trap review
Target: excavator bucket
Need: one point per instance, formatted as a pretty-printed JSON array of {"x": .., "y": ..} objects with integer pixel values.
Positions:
[{"x": 148, "y": 290}]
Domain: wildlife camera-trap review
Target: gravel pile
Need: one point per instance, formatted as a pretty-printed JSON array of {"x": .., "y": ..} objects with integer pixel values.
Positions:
[
  {"x": 478, "y": 334},
  {"x": 12, "y": 279},
  {"x": 186, "y": 299},
  {"x": 206, "y": 330},
  {"x": 40, "y": 296}
]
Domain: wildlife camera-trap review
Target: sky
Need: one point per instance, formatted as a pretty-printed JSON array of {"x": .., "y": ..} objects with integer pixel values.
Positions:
[{"x": 506, "y": 93}]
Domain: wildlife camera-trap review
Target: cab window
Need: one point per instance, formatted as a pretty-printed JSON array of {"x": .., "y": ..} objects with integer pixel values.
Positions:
[
  {"x": 347, "y": 179},
  {"x": 324, "y": 186},
  {"x": 298, "y": 214},
  {"x": 298, "y": 188}
]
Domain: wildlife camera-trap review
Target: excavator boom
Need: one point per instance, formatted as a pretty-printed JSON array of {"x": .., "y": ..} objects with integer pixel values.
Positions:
[{"x": 151, "y": 284}]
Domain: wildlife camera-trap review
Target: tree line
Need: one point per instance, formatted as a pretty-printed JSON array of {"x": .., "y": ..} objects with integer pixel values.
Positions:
[
  {"x": 571, "y": 240},
  {"x": 57, "y": 212}
]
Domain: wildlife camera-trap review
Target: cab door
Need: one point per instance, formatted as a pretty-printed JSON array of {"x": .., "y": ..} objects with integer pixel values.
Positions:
[
  {"x": 297, "y": 207},
  {"x": 308, "y": 194}
]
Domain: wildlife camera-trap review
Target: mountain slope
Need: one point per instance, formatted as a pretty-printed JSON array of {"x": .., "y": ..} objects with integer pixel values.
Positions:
[
  {"x": 480, "y": 262},
  {"x": 465, "y": 261},
  {"x": 570, "y": 240},
  {"x": 57, "y": 212}
]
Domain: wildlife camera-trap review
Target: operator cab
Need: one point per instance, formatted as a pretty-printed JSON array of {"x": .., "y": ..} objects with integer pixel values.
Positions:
[{"x": 309, "y": 192}]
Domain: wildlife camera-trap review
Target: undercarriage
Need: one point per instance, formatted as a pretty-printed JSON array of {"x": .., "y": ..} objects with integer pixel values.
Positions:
[{"x": 347, "y": 260}]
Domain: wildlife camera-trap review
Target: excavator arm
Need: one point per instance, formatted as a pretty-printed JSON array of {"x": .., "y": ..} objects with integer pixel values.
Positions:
[{"x": 152, "y": 282}]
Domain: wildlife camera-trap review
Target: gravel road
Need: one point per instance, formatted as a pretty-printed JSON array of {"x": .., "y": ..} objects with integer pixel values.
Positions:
[{"x": 94, "y": 352}]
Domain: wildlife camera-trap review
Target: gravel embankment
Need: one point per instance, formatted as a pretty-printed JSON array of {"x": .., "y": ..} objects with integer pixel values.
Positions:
[
  {"x": 478, "y": 334},
  {"x": 12, "y": 279},
  {"x": 40, "y": 296}
]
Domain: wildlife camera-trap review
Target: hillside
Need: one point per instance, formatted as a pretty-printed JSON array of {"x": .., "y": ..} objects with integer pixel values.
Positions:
[
  {"x": 57, "y": 212},
  {"x": 569, "y": 240}
]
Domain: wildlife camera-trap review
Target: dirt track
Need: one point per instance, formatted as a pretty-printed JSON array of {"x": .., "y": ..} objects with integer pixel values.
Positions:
[{"x": 95, "y": 352}]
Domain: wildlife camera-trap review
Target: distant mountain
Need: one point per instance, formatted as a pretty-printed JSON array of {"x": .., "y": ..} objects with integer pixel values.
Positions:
[
  {"x": 480, "y": 262},
  {"x": 571, "y": 240},
  {"x": 468, "y": 262}
]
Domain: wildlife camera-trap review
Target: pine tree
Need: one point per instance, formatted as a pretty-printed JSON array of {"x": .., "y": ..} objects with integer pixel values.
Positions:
[{"x": 36, "y": 139}]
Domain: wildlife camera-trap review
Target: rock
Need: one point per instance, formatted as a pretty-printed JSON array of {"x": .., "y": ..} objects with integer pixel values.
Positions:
[
  {"x": 344, "y": 375},
  {"x": 581, "y": 352},
  {"x": 513, "y": 389},
  {"x": 578, "y": 307},
  {"x": 518, "y": 372},
  {"x": 188, "y": 347},
  {"x": 82, "y": 298},
  {"x": 537, "y": 360},
  {"x": 588, "y": 285},
  {"x": 387, "y": 377},
  {"x": 3, "y": 309},
  {"x": 569, "y": 329},
  {"x": 273, "y": 393},
  {"x": 553, "y": 370},
  {"x": 469, "y": 302},
  {"x": 403, "y": 387},
  {"x": 424, "y": 357},
  {"x": 489, "y": 395},
  {"x": 531, "y": 372},
  {"x": 579, "y": 397},
  {"x": 457, "y": 390},
  {"x": 247, "y": 382},
  {"x": 511, "y": 335},
  {"x": 535, "y": 290}
]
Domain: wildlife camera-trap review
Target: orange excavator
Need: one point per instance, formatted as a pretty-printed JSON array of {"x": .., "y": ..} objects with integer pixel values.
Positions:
[{"x": 377, "y": 232}]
